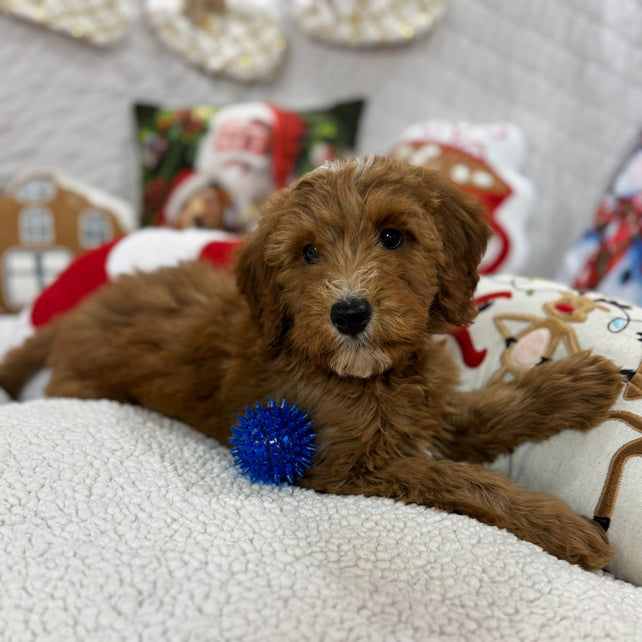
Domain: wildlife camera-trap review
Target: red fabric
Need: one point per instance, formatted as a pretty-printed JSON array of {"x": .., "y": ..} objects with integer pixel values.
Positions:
[
  {"x": 480, "y": 300},
  {"x": 472, "y": 358},
  {"x": 88, "y": 272},
  {"x": 220, "y": 253},
  {"x": 85, "y": 275},
  {"x": 491, "y": 202},
  {"x": 289, "y": 129},
  {"x": 181, "y": 177}
]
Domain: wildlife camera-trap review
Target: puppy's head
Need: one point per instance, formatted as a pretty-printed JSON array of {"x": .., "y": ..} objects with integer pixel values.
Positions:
[{"x": 357, "y": 262}]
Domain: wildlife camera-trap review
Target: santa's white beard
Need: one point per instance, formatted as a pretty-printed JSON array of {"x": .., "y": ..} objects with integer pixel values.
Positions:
[{"x": 246, "y": 176}]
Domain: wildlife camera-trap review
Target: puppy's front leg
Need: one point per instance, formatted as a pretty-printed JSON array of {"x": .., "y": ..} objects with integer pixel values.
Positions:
[
  {"x": 491, "y": 498},
  {"x": 576, "y": 392}
]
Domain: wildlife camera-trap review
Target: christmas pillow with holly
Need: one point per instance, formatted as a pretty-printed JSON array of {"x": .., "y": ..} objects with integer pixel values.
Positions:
[{"x": 212, "y": 167}]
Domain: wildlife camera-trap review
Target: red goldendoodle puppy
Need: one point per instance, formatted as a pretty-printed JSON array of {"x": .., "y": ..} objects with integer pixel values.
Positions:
[{"x": 337, "y": 300}]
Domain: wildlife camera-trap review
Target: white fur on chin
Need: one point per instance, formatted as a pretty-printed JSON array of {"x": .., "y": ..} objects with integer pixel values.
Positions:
[{"x": 360, "y": 361}]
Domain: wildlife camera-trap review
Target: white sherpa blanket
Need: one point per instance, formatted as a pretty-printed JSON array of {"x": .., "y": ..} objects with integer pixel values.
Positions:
[{"x": 119, "y": 524}]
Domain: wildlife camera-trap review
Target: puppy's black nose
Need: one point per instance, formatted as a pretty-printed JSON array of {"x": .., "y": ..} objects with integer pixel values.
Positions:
[{"x": 351, "y": 316}]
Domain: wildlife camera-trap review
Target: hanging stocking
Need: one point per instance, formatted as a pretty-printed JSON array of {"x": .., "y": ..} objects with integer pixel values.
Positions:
[
  {"x": 367, "y": 22},
  {"x": 97, "y": 21},
  {"x": 222, "y": 38}
]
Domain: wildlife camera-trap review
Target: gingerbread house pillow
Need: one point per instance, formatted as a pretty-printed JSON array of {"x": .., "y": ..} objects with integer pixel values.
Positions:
[{"x": 46, "y": 219}]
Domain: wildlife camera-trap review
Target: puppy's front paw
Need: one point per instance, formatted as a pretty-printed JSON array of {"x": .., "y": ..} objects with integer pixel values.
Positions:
[
  {"x": 585, "y": 543},
  {"x": 578, "y": 390}
]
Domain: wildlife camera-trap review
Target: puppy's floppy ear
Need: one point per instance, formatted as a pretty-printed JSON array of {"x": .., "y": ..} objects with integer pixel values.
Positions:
[
  {"x": 256, "y": 279},
  {"x": 461, "y": 221}
]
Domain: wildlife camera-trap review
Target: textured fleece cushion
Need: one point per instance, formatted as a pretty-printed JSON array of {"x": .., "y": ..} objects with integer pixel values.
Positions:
[
  {"x": 599, "y": 473},
  {"x": 483, "y": 160},
  {"x": 609, "y": 256},
  {"x": 119, "y": 524},
  {"x": 212, "y": 167}
]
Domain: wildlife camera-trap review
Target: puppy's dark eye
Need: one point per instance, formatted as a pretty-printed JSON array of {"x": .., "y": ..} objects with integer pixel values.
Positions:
[
  {"x": 310, "y": 254},
  {"x": 391, "y": 238}
]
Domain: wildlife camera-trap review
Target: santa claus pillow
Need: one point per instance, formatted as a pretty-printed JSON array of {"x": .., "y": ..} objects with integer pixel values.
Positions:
[
  {"x": 212, "y": 167},
  {"x": 483, "y": 160}
]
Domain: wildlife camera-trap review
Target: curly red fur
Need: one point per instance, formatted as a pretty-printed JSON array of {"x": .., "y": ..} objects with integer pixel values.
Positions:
[{"x": 193, "y": 344}]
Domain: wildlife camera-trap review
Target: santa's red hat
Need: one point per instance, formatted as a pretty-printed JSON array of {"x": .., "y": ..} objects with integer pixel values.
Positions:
[
  {"x": 289, "y": 131},
  {"x": 186, "y": 184}
]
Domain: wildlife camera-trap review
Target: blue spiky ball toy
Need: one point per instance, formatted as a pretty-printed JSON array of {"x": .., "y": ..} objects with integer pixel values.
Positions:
[{"x": 273, "y": 444}]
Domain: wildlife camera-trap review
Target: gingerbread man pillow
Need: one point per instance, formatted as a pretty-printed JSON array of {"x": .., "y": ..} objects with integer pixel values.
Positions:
[{"x": 483, "y": 160}]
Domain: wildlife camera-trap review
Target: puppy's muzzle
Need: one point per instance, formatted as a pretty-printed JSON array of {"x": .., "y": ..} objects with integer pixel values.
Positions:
[{"x": 351, "y": 316}]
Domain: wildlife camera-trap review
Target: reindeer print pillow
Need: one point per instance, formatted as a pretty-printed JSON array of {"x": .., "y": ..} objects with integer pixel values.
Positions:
[{"x": 524, "y": 322}]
